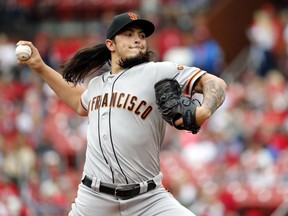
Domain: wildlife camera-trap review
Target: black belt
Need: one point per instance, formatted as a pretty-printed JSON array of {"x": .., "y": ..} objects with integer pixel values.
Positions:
[{"x": 123, "y": 191}]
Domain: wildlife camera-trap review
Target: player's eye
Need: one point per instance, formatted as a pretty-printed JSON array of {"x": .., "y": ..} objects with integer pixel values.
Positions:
[
  {"x": 128, "y": 34},
  {"x": 142, "y": 36}
]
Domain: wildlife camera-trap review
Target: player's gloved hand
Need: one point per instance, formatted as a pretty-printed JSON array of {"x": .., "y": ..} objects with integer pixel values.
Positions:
[{"x": 173, "y": 104}]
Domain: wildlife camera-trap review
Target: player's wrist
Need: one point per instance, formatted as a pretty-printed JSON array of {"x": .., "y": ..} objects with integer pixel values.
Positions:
[
  {"x": 179, "y": 122},
  {"x": 40, "y": 67},
  {"x": 202, "y": 114}
]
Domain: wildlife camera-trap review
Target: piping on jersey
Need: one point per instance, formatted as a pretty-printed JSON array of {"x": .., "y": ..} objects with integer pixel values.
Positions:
[
  {"x": 102, "y": 148},
  {"x": 112, "y": 144}
]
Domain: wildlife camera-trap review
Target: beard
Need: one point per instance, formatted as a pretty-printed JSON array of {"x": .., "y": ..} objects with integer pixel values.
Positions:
[{"x": 125, "y": 63}]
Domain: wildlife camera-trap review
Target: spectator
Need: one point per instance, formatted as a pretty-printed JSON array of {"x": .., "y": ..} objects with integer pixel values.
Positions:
[
  {"x": 263, "y": 36},
  {"x": 206, "y": 51},
  {"x": 7, "y": 57},
  {"x": 258, "y": 164}
]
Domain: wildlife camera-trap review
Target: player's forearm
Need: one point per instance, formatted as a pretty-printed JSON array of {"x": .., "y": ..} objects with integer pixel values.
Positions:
[
  {"x": 67, "y": 92},
  {"x": 213, "y": 94}
]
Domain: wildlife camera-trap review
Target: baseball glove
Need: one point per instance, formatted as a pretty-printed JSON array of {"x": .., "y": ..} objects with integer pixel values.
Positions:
[{"x": 173, "y": 104}]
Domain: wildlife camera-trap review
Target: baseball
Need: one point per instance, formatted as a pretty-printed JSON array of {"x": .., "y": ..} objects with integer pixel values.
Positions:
[{"x": 23, "y": 52}]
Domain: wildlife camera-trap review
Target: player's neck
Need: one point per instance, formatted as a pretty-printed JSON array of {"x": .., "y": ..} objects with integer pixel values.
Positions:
[{"x": 115, "y": 68}]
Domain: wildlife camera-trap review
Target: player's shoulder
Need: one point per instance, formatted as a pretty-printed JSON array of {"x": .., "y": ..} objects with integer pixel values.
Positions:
[
  {"x": 147, "y": 66},
  {"x": 159, "y": 64},
  {"x": 98, "y": 78},
  {"x": 156, "y": 65},
  {"x": 169, "y": 65}
]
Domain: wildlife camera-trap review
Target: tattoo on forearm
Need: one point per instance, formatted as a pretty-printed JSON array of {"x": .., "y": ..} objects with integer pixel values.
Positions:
[{"x": 214, "y": 95}]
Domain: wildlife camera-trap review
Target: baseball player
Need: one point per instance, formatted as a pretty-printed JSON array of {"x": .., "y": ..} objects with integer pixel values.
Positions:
[{"x": 128, "y": 107}]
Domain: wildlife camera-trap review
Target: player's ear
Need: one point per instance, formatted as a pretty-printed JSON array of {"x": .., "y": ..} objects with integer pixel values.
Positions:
[{"x": 110, "y": 45}]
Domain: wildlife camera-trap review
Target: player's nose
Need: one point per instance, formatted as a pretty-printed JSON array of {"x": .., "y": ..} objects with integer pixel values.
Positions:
[{"x": 137, "y": 40}]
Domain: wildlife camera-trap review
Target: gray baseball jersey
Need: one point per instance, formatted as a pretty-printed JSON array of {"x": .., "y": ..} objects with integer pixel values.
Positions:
[
  {"x": 125, "y": 135},
  {"x": 126, "y": 130}
]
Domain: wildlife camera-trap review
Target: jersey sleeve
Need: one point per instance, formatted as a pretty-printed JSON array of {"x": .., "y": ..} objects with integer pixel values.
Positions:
[
  {"x": 188, "y": 79},
  {"x": 84, "y": 100},
  {"x": 185, "y": 75}
]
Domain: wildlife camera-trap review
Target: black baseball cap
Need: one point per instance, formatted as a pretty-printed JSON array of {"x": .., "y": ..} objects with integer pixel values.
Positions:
[{"x": 121, "y": 21}]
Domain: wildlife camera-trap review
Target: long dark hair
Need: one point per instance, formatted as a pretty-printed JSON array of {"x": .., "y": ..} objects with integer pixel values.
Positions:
[{"x": 86, "y": 62}]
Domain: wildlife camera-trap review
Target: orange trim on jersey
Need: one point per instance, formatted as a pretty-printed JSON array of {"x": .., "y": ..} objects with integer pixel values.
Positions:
[
  {"x": 190, "y": 81},
  {"x": 83, "y": 105}
]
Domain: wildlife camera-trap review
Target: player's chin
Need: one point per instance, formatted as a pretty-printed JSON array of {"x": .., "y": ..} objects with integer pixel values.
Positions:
[{"x": 135, "y": 53}]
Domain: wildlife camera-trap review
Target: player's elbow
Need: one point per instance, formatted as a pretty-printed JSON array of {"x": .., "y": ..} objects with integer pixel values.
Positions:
[
  {"x": 218, "y": 82},
  {"x": 223, "y": 84}
]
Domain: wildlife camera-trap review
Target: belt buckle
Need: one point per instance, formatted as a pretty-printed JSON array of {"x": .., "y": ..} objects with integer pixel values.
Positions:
[
  {"x": 116, "y": 192},
  {"x": 123, "y": 192}
]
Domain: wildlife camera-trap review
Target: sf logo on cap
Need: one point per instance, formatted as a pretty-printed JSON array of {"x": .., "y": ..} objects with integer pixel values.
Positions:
[{"x": 133, "y": 16}]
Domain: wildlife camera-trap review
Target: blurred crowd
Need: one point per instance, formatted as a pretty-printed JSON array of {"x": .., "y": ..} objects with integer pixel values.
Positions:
[{"x": 236, "y": 165}]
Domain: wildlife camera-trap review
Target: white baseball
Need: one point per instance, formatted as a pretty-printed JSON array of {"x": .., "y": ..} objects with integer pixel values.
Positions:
[{"x": 23, "y": 52}]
